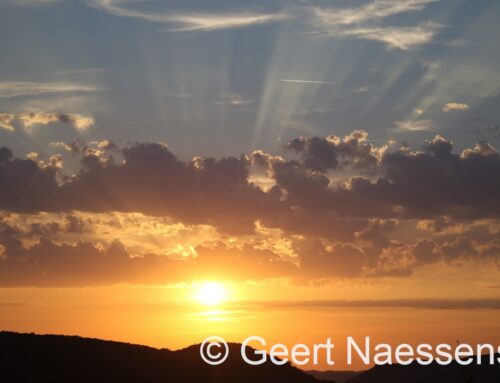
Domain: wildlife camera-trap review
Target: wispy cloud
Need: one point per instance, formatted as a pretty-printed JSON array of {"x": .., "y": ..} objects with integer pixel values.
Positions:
[
  {"x": 365, "y": 22},
  {"x": 415, "y": 126},
  {"x": 437, "y": 304},
  {"x": 207, "y": 22},
  {"x": 308, "y": 82},
  {"x": 233, "y": 99},
  {"x": 454, "y": 106},
  {"x": 372, "y": 11},
  {"x": 403, "y": 38},
  {"x": 22, "y": 88},
  {"x": 190, "y": 21}
]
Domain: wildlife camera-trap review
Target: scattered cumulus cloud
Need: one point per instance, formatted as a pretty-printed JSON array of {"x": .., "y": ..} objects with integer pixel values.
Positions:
[
  {"x": 80, "y": 123},
  {"x": 28, "y": 120},
  {"x": 418, "y": 111},
  {"x": 6, "y": 121},
  {"x": 451, "y": 106},
  {"x": 415, "y": 125}
]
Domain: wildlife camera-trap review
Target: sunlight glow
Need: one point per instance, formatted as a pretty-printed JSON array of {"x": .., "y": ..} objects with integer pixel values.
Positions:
[{"x": 211, "y": 293}]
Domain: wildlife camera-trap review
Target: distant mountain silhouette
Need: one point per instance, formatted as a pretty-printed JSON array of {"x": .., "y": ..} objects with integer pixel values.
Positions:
[
  {"x": 334, "y": 376},
  {"x": 434, "y": 373},
  {"x": 70, "y": 359}
]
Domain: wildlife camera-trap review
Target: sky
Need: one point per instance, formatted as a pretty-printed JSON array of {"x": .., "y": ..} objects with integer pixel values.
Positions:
[{"x": 332, "y": 163}]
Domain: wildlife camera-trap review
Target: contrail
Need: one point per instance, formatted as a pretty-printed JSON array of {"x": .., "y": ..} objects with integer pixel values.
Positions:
[{"x": 308, "y": 82}]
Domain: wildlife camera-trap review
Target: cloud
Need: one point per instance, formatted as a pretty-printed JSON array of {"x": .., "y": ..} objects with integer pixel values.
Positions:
[
  {"x": 437, "y": 304},
  {"x": 35, "y": 251},
  {"x": 29, "y": 120},
  {"x": 337, "y": 202},
  {"x": 90, "y": 148},
  {"x": 233, "y": 99},
  {"x": 332, "y": 188},
  {"x": 374, "y": 10},
  {"x": 6, "y": 121},
  {"x": 78, "y": 122},
  {"x": 10, "y": 89},
  {"x": 366, "y": 22},
  {"x": 403, "y": 38},
  {"x": 415, "y": 125},
  {"x": 48, "y": 263},
  {"x": 184, "y": 22},
  {"x": 332, "y": 151},
  {"x": 341, "y": 260},
  {"x": 451, "y": 106},
  {"x": 431, "y": 182},
  {"x": 334, "y": 208},
  {"x": 208, "y": 22}
]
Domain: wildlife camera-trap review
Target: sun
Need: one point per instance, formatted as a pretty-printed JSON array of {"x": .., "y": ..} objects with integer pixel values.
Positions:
[{"x": 211, "y": 293}]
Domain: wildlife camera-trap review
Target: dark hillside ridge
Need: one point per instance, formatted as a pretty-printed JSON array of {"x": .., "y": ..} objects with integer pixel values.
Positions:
[
  {"x": 55, "y": 358},
  {"x": 433, "y": 373}
]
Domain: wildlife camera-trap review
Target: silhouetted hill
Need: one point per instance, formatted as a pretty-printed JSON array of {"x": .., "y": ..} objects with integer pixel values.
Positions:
[
  {"x": 56, "y": 358},
  {"x": 434, "y": 373},
  {"x": 334, "y": 376}
]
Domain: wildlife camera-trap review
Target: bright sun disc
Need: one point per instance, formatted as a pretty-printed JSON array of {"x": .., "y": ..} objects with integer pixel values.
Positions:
[{"x": 211, "y": 293}]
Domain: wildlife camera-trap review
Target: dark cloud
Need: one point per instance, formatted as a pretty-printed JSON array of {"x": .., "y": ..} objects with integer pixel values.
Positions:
[
  {"x": 151, "y": 179},
  {"x": 343, "y": 204},
  {"x": 339, "y": 260},
  {"x": 438, "y": 304},
  {"x": 74, "y": 224},
  {"x": 25, "y": 185},
  {"x": 331, "y": 152},
  {"x": 410, "y": 184}
]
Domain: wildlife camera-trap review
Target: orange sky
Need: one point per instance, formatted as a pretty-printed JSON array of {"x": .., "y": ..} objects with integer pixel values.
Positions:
[{"x": 174, "y": 318}]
